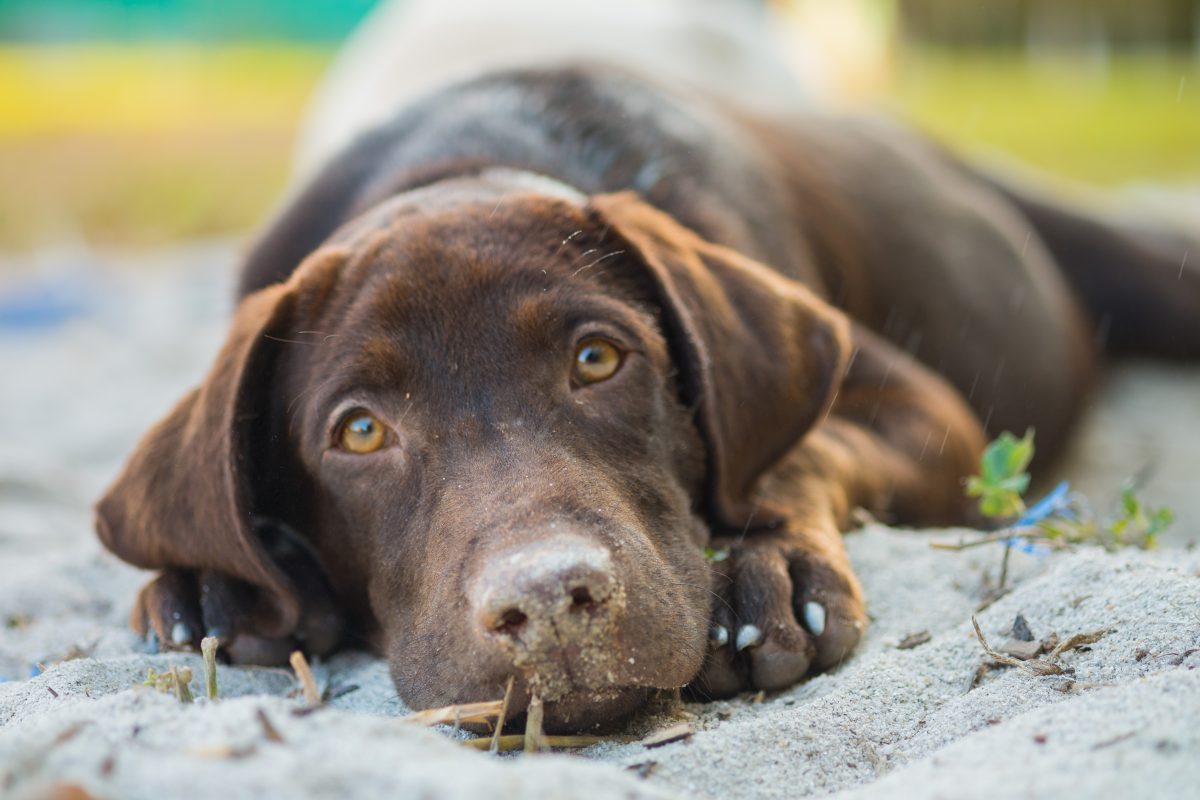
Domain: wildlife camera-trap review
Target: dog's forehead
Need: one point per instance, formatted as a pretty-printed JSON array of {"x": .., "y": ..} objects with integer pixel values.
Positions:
[
  {"x": 472, "y": 281},
  {"x": 483, "y": 242}
]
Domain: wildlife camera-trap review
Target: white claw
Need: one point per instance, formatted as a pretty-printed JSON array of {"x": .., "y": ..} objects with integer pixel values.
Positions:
[
  {"x": 748, "y": 636},
  {"x": 814, "y": 617},
  {"x": 718, "y": 636},
  {"x": 181, "y": 634}
]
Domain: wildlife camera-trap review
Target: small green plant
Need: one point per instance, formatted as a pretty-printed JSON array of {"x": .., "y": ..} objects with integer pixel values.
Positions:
[
  {"x": 177, "y": 682},
  {"x": 1060, "y": 518},
  {"x": 1139, "y": 524},
  {"x": 1002, "y": 477}
]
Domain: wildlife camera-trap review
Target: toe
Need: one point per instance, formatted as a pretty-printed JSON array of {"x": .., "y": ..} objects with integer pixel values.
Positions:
[
  {"x": 777, "y": 650},
  {"x": 829, "y": 602},
  {"x": 167, "y": 608}
]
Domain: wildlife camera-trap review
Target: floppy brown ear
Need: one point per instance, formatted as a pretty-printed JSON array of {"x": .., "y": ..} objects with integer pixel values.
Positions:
[
  {"x": 183, "y": 500},
  {"x": 761, "y": 355}
]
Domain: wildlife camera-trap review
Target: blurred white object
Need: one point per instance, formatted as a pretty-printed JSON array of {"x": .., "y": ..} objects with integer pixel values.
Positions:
[{"x": 406, "y": 48}]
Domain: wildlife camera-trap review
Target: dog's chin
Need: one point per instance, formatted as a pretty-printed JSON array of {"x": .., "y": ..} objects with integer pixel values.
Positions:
[{"x": 589, "y": 711}]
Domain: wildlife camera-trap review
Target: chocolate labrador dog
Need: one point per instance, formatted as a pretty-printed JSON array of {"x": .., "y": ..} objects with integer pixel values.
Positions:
[{"x": 507, "y": 365}]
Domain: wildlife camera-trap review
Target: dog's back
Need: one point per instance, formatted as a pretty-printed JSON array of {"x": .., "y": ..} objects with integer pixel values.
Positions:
[{"x": 408, "y": 49}]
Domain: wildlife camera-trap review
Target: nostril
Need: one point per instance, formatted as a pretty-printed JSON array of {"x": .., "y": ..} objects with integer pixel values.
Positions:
[
  {"x": 581, "y": 598},
  {"x": 511, "y": 621}
]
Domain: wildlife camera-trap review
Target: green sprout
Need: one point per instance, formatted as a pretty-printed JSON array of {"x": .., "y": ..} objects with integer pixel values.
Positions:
[
  {"x": 1139, "y": 524},
  {"x": 1002, "y": 478}
]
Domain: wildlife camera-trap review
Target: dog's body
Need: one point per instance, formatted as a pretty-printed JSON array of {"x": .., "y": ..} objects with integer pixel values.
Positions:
[{"x": 523, "y": 513}]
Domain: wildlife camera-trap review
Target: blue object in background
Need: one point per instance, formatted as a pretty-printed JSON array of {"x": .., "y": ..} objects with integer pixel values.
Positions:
[
  {"x": 44, "y": 304},
  {"x": 1057, "y": 502}
]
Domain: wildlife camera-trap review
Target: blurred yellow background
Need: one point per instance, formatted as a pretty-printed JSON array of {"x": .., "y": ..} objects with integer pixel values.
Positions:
[{"x": 148, "y": 121}]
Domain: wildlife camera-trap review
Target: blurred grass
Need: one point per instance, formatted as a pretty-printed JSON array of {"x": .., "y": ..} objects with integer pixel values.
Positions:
[
  {"x": 145, "y": 144},
  {"x": 1134, "y": 118}
]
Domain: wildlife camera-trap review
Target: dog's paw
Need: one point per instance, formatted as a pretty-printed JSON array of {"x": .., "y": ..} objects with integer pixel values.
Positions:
[
  {"x": 180, "y": 607},
  {"x": 781, "y": 610}
]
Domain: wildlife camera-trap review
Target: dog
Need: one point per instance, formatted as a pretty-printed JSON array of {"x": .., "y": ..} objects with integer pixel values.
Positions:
[{"x": 574, "y": 373}]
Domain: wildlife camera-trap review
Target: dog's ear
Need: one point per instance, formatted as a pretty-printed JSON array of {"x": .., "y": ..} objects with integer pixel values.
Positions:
[
  {"x": 760, "y": 356},
  {"x": 184, "y": 499}
]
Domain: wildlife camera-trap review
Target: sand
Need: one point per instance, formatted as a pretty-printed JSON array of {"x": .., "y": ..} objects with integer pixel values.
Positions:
[{"x": 889, "y": 723}]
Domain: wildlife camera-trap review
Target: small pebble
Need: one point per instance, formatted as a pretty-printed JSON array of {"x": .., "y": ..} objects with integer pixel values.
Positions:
[{"x": 1020, "y": 629}]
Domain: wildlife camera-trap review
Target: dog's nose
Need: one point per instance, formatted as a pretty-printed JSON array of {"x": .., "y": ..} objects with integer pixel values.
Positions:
[{"x": 546, "y": 595}]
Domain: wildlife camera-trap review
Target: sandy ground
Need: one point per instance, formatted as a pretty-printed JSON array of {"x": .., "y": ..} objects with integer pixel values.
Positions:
[{"x": 112, "y": 345}]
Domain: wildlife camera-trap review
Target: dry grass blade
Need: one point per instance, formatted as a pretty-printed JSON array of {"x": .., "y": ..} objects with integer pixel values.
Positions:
[
  {"x": 914, "y": 640},
  {"x": 516, "y": 741},
  {"x": 1079, "y": 640},
  {"x": 208, "y": 648},
  {"x": 1036, "y": 667},
  {"x": 495, "y": 746},
  {"x": 269, "y": 730},
  {"x": 220, "y": 751},
  {"x": 961, "y": 545},
  {"x": 535, "y": 739},
  {"x": 673, "y": 733},
  {"x": 300, "y": 664},
  {"x": 464, "y": 712}
]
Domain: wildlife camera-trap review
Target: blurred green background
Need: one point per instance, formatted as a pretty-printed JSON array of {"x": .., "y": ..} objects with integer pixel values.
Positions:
[{"x": 127, "y": 123}]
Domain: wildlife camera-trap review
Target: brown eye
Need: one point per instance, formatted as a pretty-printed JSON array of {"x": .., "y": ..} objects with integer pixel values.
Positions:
[
  {"x": 361, "y": 432},
  {"x": 596, "y": 360}
]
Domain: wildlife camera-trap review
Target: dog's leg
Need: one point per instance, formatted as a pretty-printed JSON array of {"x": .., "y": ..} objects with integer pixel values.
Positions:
[{"x": 898, "y": 442}]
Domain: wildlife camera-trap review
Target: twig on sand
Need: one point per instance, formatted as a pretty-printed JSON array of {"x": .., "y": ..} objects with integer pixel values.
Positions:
[
  {"x": 183, "y": 680},
  {"x": 535, "y": 740},
  {"x": 1034, "y": 666},
  {"x": 464, "y": 712},
  {"x": 495, "y": 745},
  {"x": 269, "y": 730},
  {"x": 516, "y": 741},
  {"x": 1000, "y": 536},
  {"x": 300, "y": 664},
  {"x": 208, "y": 648},
  {"x": 672, "y": 733},
  {"x": 1079, "y": 640},
  {"x": 914, "y": 640},
  {"x": 1004, "y": 567}
]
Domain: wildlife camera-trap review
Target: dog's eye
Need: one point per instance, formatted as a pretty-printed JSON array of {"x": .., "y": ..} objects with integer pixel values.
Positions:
[
  {"x": 361, "y": 432},
  {"x": 596, "y": 360}
]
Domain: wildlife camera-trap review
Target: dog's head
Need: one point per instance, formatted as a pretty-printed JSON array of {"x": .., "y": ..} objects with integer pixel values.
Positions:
[{"x": 505, "y": 423}]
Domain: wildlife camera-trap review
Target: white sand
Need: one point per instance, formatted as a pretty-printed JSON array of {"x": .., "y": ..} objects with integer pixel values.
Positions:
[{"x": 890, "y": 722}]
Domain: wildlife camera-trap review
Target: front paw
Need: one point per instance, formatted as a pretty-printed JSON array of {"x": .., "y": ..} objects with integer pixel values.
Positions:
[
  {"x": 180, "y": 607},
  {"x": 784, "y": 607}
]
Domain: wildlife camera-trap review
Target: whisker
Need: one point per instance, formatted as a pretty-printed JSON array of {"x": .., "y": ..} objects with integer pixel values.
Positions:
[
  {"x": 565, "y": 241},
  {"x": 584, "y": 255},
  {"x": 287, "y": 341},
  {"x": 597, "y": 261}
]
